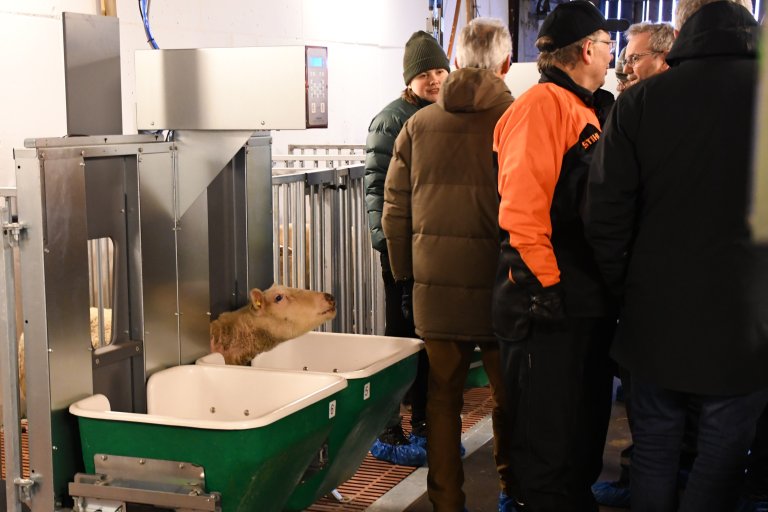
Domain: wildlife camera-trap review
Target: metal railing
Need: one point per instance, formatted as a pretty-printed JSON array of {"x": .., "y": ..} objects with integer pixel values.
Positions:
[
  {"x": 323, "y": 156},
  {"x": 322, "y": 242}
]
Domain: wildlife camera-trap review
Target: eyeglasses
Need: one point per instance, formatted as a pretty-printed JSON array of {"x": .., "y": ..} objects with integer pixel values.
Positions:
[
  {"x": 632, "y": 59},
  {"x": 611, "y": 43}
]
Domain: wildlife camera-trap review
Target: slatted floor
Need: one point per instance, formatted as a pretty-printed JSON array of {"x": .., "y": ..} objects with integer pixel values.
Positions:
[
  {"x": 375, "y": 478},
  {"x": 24, "y": 451}
]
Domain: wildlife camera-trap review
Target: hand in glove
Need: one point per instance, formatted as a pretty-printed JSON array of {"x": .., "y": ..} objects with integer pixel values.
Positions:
[
  {"x": 548, "y": 304},
  {"x": 406, "y": 304}
]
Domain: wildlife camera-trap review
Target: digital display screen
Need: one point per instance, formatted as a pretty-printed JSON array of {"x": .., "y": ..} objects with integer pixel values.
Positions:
[{"x": 316, "y": 62}]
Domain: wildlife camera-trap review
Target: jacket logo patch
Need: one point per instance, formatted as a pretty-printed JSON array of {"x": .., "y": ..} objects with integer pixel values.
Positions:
[{"x": 586, "y": 143}]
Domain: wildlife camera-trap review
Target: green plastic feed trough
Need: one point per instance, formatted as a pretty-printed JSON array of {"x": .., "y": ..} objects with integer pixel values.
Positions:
[
  {"x": 254, "y": 432},
  {"x": 379, "y": 370}
]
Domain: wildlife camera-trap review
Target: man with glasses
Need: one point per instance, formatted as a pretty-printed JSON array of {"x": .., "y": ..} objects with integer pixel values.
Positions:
[
  {"x": 644, "y": 57},
  {"x": 667, "y": 215},
  {"x": 647, "y": 47},
  {"x": 550, "y": 311}
]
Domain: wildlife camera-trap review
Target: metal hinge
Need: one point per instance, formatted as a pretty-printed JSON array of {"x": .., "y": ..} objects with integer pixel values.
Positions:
[
  {"x": 13, "y": 231},
  {"x": 25, "y": 486}
]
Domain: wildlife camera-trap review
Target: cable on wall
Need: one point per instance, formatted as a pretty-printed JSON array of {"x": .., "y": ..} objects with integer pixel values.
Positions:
[{"x": 144, "y": 12}]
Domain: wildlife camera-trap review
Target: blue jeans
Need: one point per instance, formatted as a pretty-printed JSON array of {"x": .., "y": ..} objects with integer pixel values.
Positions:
[{"x": 726, "y": 428}]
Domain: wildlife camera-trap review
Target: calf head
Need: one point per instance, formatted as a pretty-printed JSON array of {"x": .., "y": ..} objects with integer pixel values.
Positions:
[{"x": 273, "y": 316}]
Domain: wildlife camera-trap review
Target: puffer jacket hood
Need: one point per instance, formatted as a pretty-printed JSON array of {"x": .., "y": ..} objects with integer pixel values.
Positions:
[
  {"x": 717, "y": 29},
  {"x": 473, "y": 90}
]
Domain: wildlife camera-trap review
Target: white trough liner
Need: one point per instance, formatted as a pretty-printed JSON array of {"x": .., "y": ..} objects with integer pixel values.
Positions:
[
  {"x": 352, "y": 356},
  {"x": 213, "y": 397}
]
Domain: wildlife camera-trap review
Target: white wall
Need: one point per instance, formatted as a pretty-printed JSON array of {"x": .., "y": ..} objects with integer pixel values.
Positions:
[{"x": 365, "y": 40}]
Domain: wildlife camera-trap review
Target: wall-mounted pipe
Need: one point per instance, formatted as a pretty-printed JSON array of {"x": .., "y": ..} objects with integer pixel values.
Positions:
[{"x": 109, "y": 7}]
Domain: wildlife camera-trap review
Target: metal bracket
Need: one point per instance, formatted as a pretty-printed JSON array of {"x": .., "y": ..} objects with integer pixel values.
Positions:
[
  {"x": 138, "y": 480},
  {"x": 26, "y": 487},
  {"x": 13, "y": 230}
]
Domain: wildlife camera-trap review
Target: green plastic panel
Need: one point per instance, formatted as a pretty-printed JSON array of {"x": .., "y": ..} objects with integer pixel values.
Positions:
[
  {"x": 359, "y": 421},
  {"x": 254, "y": 469}
]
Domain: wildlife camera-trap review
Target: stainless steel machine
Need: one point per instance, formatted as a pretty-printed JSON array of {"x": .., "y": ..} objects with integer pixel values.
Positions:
[{"x": 190, "y": 223}]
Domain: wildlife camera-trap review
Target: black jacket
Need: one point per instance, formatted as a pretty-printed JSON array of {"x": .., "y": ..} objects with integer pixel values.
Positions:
[{"x": 667, "y": 215}]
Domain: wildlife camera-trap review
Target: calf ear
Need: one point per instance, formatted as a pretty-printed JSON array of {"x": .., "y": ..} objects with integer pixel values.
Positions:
[{"x": 257, "y": 299}]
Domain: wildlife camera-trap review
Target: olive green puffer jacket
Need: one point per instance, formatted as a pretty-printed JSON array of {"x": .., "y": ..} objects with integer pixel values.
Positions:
[{"x": 382, "y": 133}]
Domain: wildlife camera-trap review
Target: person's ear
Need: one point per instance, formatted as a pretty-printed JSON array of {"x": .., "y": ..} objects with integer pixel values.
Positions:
[
  {"x": 586, "y": 51},
  {"x": 506, "y": 65}
]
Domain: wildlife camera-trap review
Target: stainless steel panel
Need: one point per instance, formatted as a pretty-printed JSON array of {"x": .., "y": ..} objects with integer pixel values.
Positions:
[
  {"x": 61, "y": 142},
  {"x": 66, "y": 278},
  {"x": 227, "y": 238},
  {"x": 201, "y": 157},
  {"x": 54, "y": 285},
  {"x": 194, "y": 297},
  {"x": 92, "y": 74},
  {"x": 158, "y": 251},
  {"x": 221, "y": 88},
  {"x": 110, "y": 181},
  {"x": 258, "y": 201}
]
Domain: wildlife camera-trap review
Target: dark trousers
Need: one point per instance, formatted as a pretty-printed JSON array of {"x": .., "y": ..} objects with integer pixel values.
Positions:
[
  {"x": 725, "y": 431},
  {"x": 688, "y": 450},
  {"x": 559, "y": 385},
  {"x": 450, "y": 362},
  {"x": 757, "y": 465},
  {"x": 397, "y": 325}
]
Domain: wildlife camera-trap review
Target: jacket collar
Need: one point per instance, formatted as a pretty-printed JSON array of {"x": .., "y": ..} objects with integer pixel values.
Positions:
[
  {"x": 560, "y": 78},
  {"x": 473, "y": 90},
  {"x": 717, "y": 29},
  {"x": 421, "y": 102}
]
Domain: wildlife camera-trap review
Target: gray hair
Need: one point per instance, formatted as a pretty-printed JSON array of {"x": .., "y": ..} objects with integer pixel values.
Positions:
[
  {"x": 686, "y": 8},
  {"x": 661, "y": 35},
  {"x": 483, "y": 43}
]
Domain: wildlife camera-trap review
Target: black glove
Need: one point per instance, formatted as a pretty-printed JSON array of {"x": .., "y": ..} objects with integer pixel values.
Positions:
[
  {"x": 406, "y": 304},
  {"x": 548, "y": 304}
]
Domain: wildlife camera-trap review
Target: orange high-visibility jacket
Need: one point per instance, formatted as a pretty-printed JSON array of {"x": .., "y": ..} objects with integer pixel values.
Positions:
[{"x": 544, "y": 141}]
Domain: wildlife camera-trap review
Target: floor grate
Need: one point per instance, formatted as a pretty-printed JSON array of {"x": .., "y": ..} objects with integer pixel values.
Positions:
[
  {"x": 375, "y": 478},
  {"x": 24, "y": 451}
]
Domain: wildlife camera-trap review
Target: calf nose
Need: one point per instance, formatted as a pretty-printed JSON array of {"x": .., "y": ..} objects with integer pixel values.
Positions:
[{"x": 331, "y": 300}]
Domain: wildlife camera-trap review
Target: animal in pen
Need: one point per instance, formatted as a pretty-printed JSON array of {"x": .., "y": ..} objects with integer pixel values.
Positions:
[{"x": 273, "y": 316}]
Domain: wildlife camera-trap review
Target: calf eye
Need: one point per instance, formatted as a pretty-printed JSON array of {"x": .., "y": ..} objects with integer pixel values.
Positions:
[{"x": 278, "y": 298}]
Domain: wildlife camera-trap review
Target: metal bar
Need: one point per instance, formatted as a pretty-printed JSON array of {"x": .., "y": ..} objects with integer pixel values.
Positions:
[
  {"x": 9, "y": 367},
  {"x": 144, "y": 497},
  {"x": 276, "y": 232},
  {"x": 317, "y": 158},
  {"x": 314, "y": 147}
]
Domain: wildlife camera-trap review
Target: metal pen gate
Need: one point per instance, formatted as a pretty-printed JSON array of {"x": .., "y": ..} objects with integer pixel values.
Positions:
[{"x": 322, "y": 242}]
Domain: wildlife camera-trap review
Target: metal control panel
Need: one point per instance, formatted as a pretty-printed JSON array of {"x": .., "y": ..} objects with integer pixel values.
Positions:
[
  {"x": 252, "y": 88},
  {"x": 317, "y": 87}
]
